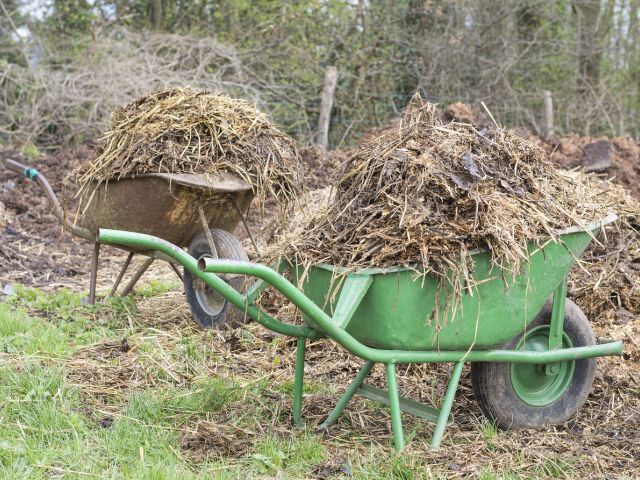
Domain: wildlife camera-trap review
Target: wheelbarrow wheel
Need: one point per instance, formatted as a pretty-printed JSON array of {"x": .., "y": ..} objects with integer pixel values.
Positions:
[
  {"x": 518, "y": 395},
  {"x": 208, "y": 307}
]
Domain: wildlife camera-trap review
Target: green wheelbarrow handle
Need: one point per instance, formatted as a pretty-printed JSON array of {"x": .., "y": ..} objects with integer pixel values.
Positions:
[
  {"x": 209, "y": 267},
  {"x": 151, "y": 243}
]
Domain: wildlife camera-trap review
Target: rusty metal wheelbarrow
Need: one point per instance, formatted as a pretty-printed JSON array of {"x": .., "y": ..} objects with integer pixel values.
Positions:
[
  {"x": 532, "y": 350},
  {"x": 187, "y": 210}
]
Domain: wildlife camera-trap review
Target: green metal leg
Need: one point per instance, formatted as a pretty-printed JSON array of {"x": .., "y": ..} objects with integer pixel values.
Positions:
[
  {"x": 557, "y": 316},
  {"x": 394, "y": 404},
  {"x": 299, "y": 381},
  {"x": 445, "y": 409},
  {"x": 556, "y": 328},
  {"x": 351, "y": 391}
]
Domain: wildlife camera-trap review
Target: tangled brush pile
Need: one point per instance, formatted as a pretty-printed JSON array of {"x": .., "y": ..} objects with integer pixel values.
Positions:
[
  {"x": 179, "y": 130},
  {"x": 426, "y": 194}
]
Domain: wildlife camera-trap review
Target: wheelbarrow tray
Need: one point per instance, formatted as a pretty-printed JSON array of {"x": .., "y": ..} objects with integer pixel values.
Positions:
[
  {"x": 397, "y": 311},
  {"x": 166, "y": 205}
]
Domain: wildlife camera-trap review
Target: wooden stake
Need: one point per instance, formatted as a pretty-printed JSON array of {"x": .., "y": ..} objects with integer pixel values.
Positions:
[
  {"x": 326, "y": 103},
  {"x": 548, "y": 115}
]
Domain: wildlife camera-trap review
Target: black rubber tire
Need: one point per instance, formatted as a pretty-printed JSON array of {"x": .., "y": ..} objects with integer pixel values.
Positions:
[
  {"x": 494, "y": 390},
  {"x": 218, "y": 313}
]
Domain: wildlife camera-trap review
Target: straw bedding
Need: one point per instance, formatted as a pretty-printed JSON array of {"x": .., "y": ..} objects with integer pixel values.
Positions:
[
  {"x": 425, "y": 194},
  {"x": 179, "y": 130}
]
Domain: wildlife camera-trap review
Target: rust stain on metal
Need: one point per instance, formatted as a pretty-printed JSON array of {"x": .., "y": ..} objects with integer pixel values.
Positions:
[{"x": 167, "y": 209}]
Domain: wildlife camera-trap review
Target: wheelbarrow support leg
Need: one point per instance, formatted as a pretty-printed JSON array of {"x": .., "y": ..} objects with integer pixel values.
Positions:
[
  {"x": 557, "y": 316},
  {"x": 298, "y": 385},
  {"x": 394, "y": 406},
  {"x": 447, "y": 402},
  {"x": 94, "y": 273},
  {"x": 123, "y": 270},
  {"x": 177, "y": 271},
  {"x": 344, "y": 400},
  {"x": 132, "y": 283},
  {"x": 556, "y": 329}
]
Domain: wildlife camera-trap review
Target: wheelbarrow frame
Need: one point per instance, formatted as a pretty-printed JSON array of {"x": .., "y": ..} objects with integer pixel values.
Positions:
[
  {"x": 122, "y": 203},
  {"x": 209, "y": 269}
]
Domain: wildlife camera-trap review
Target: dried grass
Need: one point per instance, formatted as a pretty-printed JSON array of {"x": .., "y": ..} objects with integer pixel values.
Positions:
[
  {"x": 609, "y": 282},
  {"x": 107, "y": 369},
  {"x": 180, "y": 130},
  {"x": 601, "y": 441},
  {"x": 207, "y": 437},
  {"x": 426, "y": 194}
]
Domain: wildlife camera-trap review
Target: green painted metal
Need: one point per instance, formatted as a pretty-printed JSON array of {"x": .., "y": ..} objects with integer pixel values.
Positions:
[
  {"x": 378, "y": 355},
  {"x": 401, "y": 302},
  {"x": 298, "y": 384},
  {"x": 447, "y": 402},
  {"x": 533, "y": 383},
  {"x": 407, "y": 405},
  {"x": 309, "y": 308},
  {"x": 557, "y": 315},
  {"x": 151, "y": 243},
  {"x": 254, "y": 291},
  {"x": 556, "y": 329},
  {"x": 353, "y": 290},
  {"x": 348, "y": 394},
  {"x": 400, "y": 310},
  {"x": 394, "y": 407}
]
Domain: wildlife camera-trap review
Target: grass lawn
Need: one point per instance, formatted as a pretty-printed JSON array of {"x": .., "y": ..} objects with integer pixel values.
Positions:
[{"x": 131, "y": 389}]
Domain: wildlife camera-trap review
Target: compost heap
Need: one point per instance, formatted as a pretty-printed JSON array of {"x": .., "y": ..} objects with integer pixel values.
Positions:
[
  {"x": 180, "y": 130},
  {"x": 427, "y": 193}
]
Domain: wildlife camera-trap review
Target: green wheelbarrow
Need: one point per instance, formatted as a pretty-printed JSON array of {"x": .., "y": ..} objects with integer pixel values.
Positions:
[{"x": 532, "y": 350}]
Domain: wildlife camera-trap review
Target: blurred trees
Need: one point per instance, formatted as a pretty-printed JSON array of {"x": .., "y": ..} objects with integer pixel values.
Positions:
[{"x": 502, "y": 52}]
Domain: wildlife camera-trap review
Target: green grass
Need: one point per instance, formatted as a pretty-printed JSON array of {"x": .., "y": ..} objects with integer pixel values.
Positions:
[
  {"x": 489, "y": 431},
  {"x": 30, "y": 151},
  {"x": 53, "y": 428}
]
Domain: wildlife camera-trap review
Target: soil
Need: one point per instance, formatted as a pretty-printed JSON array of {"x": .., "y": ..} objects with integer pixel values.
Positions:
[
  {"x": 34, "y": 249},
  {"x": 569, "y": 152}
]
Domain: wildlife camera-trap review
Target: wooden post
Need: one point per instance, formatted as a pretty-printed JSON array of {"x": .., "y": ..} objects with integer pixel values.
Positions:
[
  {"x": 326, "y": 103},
  {"x": 155, "y": 14},
  {"x": 548, "y": 115}
]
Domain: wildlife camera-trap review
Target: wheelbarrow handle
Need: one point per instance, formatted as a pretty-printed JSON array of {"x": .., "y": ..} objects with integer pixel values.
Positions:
[
  {"x": 36, "y": 176},
  {"x": 29, "y": 172},
  {"x": 151, "y": 243},
  {"x": 271, "y": 277},
  {"x": 210, "y": 267}
]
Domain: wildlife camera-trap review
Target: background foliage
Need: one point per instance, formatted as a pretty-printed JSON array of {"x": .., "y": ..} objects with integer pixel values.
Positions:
[{"x": 64, "y": 65}]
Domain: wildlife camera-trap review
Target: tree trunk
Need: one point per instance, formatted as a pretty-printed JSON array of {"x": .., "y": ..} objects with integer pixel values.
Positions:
[{"x": 591, "y": 29}]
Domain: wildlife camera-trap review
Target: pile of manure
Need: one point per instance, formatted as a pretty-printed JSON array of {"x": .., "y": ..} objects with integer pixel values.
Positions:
[
  {"x": 427, "y": 193},
  {"x": 608, "y": 284},
  {"x": 180, "y": 130}
]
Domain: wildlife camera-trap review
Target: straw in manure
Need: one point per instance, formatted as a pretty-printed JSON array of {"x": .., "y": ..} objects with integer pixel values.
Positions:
[
  {"x": 179, "y": 130},
  {"x": 426, "y": 194}
]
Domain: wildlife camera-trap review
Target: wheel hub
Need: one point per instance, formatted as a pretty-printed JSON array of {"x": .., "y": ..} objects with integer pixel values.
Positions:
[{"x": 536, "y": 384}]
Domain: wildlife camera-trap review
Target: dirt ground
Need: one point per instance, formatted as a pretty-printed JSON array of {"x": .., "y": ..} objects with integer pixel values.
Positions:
[{"x": 602, "y": 441}]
